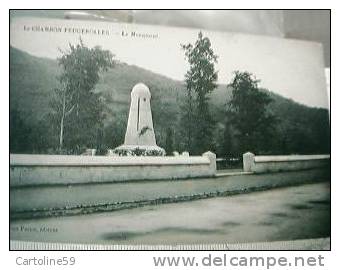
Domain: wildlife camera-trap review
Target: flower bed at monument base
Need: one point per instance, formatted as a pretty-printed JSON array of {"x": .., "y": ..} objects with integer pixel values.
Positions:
[{"x": 137, "y": 151}]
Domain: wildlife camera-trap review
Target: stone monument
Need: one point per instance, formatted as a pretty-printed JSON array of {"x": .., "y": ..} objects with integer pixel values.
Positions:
[{"x": 140, "y": 136}]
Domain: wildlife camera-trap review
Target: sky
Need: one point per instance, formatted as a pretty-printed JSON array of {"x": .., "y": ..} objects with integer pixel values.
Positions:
[{"x": 291, "y": 68}]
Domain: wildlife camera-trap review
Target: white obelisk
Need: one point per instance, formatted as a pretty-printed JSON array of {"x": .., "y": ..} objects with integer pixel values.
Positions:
[{"x": 139, "y": 132}]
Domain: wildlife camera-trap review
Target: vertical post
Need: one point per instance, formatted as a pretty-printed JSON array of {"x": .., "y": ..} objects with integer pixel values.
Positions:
[
  {"x": 248, "y": 162},
  {"x": 212, "y": 157}
]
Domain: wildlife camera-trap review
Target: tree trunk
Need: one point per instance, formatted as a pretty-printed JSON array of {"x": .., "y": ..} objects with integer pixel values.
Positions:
[{"x": 61, "y": 135}]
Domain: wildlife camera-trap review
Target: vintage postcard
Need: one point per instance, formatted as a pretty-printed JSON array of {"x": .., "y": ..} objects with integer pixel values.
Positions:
[{"x": 131, "y": 136}]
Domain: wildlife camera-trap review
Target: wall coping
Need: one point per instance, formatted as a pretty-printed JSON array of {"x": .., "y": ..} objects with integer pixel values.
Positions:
[
  {"x": 70, "y": 160},
  {"x": 289, "y": 158}
]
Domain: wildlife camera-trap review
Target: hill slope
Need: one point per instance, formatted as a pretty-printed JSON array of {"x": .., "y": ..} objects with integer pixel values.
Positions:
[{"x": 32, "y": 80}]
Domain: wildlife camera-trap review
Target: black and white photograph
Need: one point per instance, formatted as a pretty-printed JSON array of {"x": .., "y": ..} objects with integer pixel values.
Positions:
[{"x": 170, "y": 129}]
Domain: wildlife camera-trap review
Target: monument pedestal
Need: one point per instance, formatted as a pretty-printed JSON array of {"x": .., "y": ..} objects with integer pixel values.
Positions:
[{"x": 140, "y": 137}]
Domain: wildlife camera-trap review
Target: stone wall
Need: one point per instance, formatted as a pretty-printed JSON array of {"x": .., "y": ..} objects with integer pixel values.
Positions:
[
  {"x": 42, "y": 186},
  {"x": 30, "y": 170},
  {"x": 51, "y": 200},
  {"x": 264, "y": 164}
]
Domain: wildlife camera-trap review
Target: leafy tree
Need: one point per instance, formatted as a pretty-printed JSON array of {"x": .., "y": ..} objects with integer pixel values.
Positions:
[
  {"x": 248, "y": 114},
  {"x": 200, "y": 81},
  {"x": 76, "y": 106}
]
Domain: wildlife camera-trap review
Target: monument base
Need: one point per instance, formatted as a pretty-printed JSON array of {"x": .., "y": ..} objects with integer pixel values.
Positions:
[{"x": 137, "y": 150}]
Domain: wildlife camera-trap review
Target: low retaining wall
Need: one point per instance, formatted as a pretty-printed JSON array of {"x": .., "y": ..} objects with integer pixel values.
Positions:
[
  {"x": 263, "y": 164},
  {"x": 42, "y": 186},
  {"x": 43, "y": 201},
  {"x": 28, "y": 170}
]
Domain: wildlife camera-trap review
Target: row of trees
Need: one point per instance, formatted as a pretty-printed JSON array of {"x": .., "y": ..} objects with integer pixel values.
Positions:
[
  {"x": 246, "y": 113},
  {"x": 78, "y": 112},
  {"x": 79, "y": 117}
]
